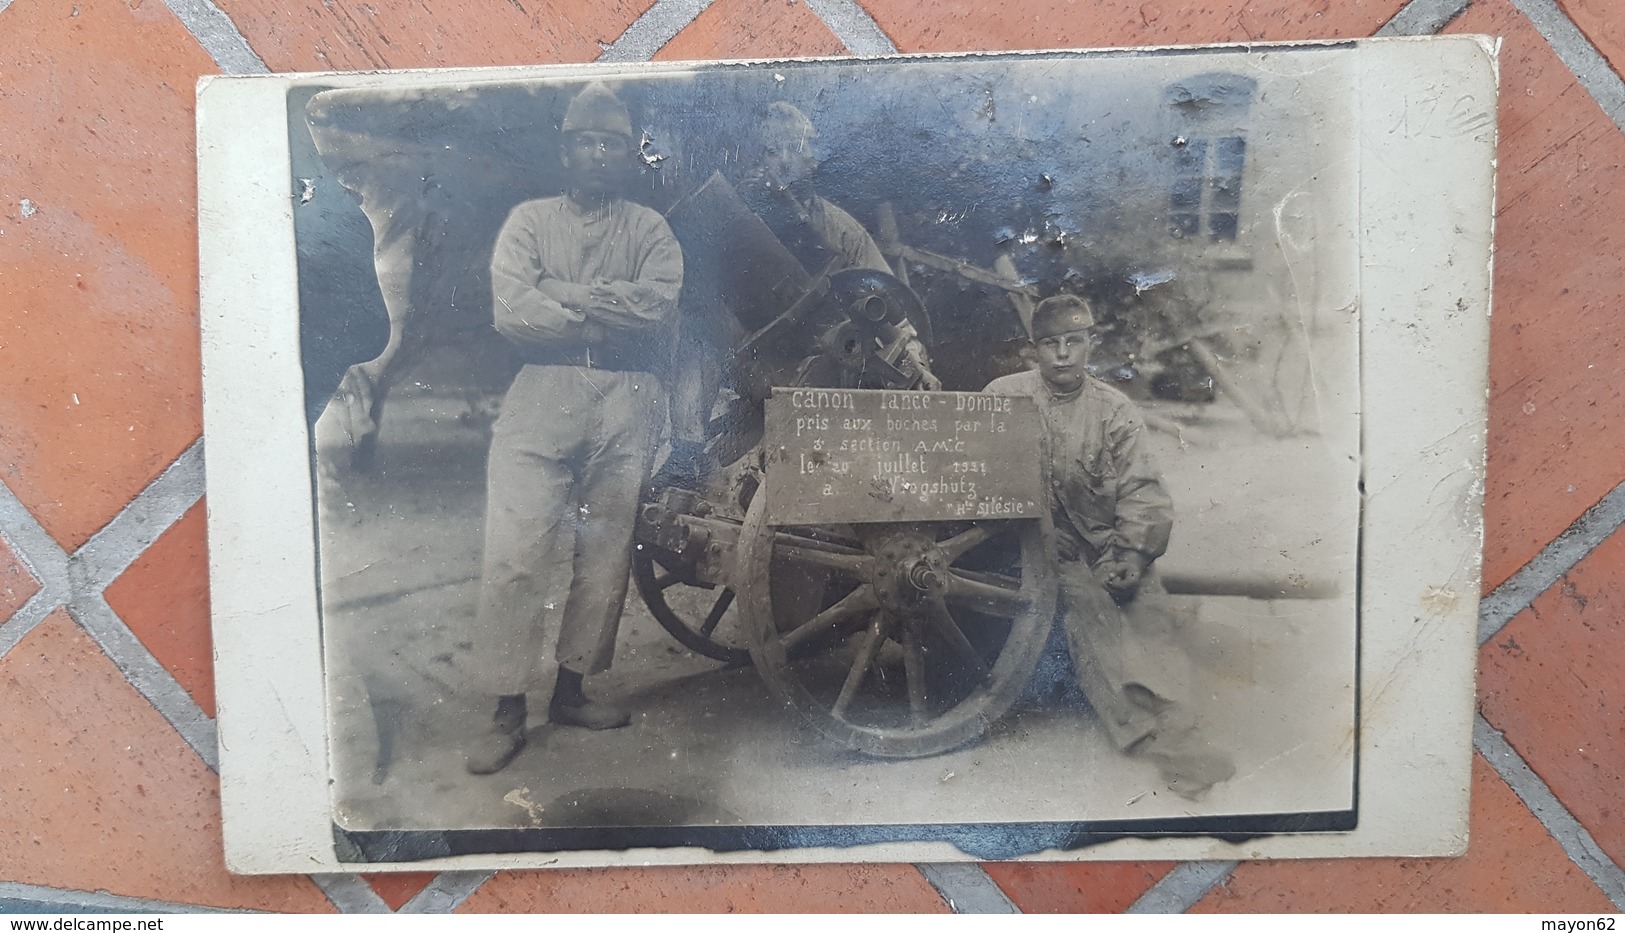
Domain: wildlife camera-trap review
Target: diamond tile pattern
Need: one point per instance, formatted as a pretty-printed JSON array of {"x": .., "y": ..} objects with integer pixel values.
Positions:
[
  {"x": 17, "y": 585},
  {"x": 99, "y": 392},
  {"x": 164, "y": 598},
  {"x": 1602, "y": 23},
  {"x": 956, "y": 25},
  {"x": 753, "y": 29},
  {"x": 720, "y": 889},
  {"x": 1551, "y": 682},
  {"x": 397, "y": 888},
  {"x": 338, "y": 35},
  {"x": 1511, "y": 866},
  {"x": 99, "y": 380},
  {"x": 1080, "y": 888},
  {"x": 1556, "y": 347},
  {"x": 113, "y": 799}
]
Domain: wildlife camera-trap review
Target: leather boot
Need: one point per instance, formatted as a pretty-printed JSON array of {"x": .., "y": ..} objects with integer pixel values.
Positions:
[
  {"x": 492, "y": 750},
  {"x": 571, "y": 706}
]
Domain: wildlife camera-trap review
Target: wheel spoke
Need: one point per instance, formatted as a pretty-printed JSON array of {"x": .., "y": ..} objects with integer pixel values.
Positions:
[
  {"x": 950, "y": 629},
  {"x": 851, "y": 606},
  {"x": 988, "y": 595},
  {"x": 914, "y": 670},
  {"x": 954, "y": 548},
  {"x": 851, "y": 564},
  {"x": 713, "y": 618},
  {"x": 868, "y": 650}
]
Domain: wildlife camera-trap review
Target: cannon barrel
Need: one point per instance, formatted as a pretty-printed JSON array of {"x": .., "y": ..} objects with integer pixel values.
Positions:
[{"x": 1252, "y": 586}]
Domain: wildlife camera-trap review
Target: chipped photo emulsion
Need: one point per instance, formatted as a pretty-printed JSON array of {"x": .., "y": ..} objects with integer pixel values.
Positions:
[{"x": 926, "y": 458}]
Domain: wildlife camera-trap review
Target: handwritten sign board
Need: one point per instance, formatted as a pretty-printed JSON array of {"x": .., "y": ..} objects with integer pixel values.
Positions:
[{"x": 839, "y": 456}]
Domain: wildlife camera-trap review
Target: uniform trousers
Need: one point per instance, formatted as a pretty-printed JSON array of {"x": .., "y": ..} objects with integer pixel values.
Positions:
[
  {"x": 1130, "y": 664},
  {"x": 569, "y": 456}
]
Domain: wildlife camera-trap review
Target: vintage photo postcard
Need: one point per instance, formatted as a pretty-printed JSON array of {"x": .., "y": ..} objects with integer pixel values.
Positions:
[{"x": 1059, "y": 455}]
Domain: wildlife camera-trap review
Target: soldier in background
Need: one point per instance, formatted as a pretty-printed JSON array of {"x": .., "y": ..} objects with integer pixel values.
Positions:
[
  {"x": 584, "y": 285},
  {"x": 778, "y": 188},
  {"x": 1112, "y": 521}
]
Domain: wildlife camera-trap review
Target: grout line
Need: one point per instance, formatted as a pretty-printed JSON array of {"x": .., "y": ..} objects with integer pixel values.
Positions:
[
  {"x": 351, "y": 894},
  {"x": 446, "y": 892},
  {"x": 1582, "y": 58},
  {"x": 1423, "y": 17},
  {"x": 1582, "y": 849},
  {"x": 79, "y": 580},
  {"x": 32, "y": 544},
  {"x": 853, "y": 25},
  {"x": 150, "y": 678},
  {"x": 26, "y": 619},
  {"x": 1551, "y": 563},
  {"x": 651, "y": 31},
  {"x": 100, "y": 560},
  {"x": 219, "y": 36},
  {"x": 1180, "y": 889},
  {"x": 63, "y": 900},
  {"x": 967, "y": 889},
  {"x": 44, "y": 560}
]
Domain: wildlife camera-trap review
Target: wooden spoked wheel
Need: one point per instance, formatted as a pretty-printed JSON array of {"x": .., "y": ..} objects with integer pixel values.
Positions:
[
  {"x": 929, "y": 630},
  {"x": 699, "y": 615}
]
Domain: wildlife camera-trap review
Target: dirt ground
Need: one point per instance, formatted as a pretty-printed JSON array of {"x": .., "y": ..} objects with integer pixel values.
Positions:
[{"x": 708, "y": 745}]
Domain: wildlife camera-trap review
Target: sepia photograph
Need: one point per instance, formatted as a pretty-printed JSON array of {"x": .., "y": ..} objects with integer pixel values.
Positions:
[{"x": 761, "y": 456}]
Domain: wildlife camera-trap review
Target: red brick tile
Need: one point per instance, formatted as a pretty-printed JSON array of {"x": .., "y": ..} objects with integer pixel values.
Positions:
[
  {"x": 1555, "y": 346},
  {"x": 1076, "y": 887},
  {"x": 164, "y": 598},
  {"x": 1602, "y": 23},
  {"x": 17, "y": 585},
  {"x": 99, "y": 384},
  {"x": 1551, "y": 681},
  {"x": 718, "y": 889},
  {"x": 336, "y": 35},
  {"x": 753, "y": 29},
  {"x": 102, "y": 795},
  {"x": 1053, "y": 24},
  {"x": 1512, "y": 866},
  {"x": 397, "y": 888}
]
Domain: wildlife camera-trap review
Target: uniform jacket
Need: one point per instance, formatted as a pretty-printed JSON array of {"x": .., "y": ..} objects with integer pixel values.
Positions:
[
  {"x": 624, "y": 250},
  {"x": 1103, "y": 485}
]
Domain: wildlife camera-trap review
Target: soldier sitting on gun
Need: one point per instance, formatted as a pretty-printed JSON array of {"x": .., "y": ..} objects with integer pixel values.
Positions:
[{"x": 1112, "y": 521}]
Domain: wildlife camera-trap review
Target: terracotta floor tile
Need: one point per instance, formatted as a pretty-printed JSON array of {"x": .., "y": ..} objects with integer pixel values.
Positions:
[
  {"x": 1512, "y": 866},
  {"x": 1076, "y": 887},
  {"x": 1053, "y": 24},
  {"x": 164, "y": 598},
  {"x": 336, "y": 35},
  {"x": 1551, "y": 681},
  {"x": 396, "y": 888},
  {"x": 719, "y": 889},
  {"x": 99, "y": 384},
  {"x": 1602, "y": 23},
  {"x": 102, "y": 795},
  {"x": 1556, "y": 347},
  {"x": 753, "y": 29},
  {"x": 17, "y": 585}
]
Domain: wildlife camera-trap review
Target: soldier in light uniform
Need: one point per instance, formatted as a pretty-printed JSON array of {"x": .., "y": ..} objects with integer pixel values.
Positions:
[
  {"x": 778, "y": 188},
  {"x": 1112, "y": 521},
  {"x": 584, "y": 285}
]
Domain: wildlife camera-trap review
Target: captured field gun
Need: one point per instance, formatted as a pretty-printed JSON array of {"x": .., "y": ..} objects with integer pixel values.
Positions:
[{"x": 882, "y": 553}]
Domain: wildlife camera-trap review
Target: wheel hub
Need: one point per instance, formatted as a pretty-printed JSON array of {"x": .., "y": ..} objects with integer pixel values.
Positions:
[{"x": 908, "y": 570}]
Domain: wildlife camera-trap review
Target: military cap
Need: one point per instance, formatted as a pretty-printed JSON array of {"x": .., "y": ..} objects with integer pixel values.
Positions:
[
  {"x": 786, "y": 121},
  {"x": 597, "y": 108},
  {"x": 1061, "y": 314}
]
